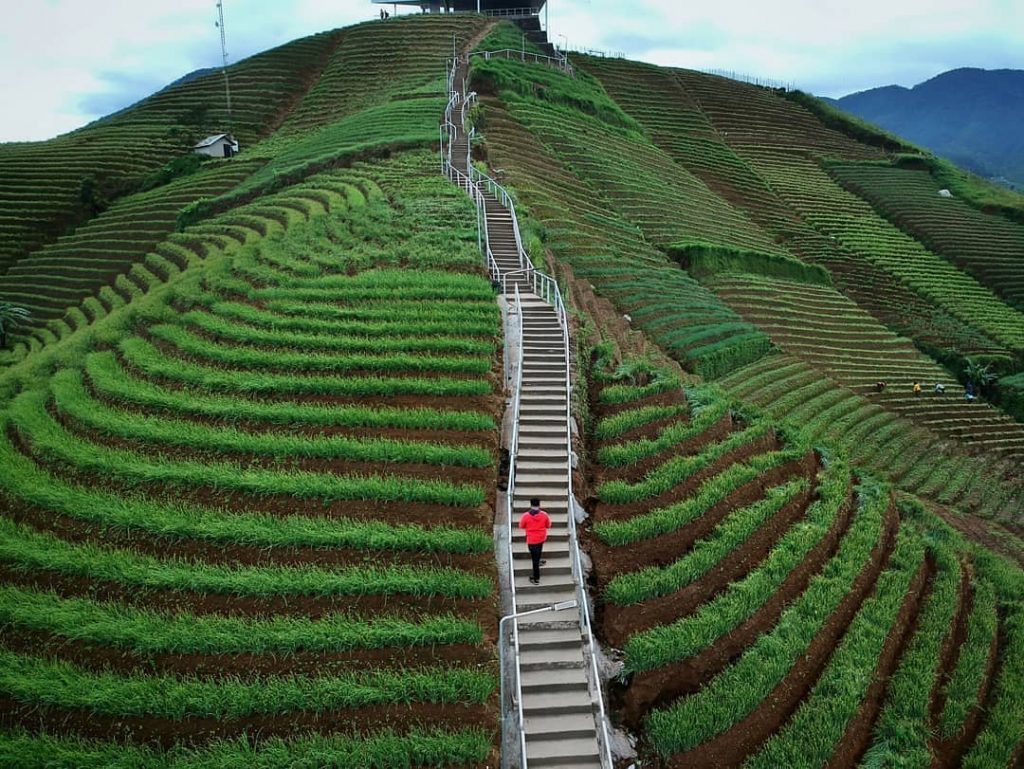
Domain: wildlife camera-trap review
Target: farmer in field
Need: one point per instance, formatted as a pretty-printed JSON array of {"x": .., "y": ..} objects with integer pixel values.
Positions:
[
  {"x": 917, "y": 389},
  {"x": 535, "y": 522}
]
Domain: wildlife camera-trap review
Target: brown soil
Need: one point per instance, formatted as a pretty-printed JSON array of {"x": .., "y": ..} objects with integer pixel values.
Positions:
[
  {"x": 653, "y": 688},
  {"x": 858, "y": 732},
  {"x": 246, "y": 666},
  {"x": 978, "y": 530},
  {"x": 635, "y": 472},
  {"x": 609, "y": 561},
  {"x": 167, "y": 733},
  {"x": 949, "y": 753},
  {"x": 685, "y": 488},
  {"x": 231, "y": 553},
  {"x": 482, "y": 610},
  {"x": 621, "y": 622},
  {"x": 732, "y": 747},
  {"x": 949, "y": 655}
]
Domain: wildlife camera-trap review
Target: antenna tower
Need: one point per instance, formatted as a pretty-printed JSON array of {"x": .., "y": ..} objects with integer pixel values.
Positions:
[{"x": 224, "y": 56}]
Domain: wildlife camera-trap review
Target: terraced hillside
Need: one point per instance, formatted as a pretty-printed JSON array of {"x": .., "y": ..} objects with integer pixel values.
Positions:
[
  {"x": 827, "y": 279},
  {"x": 48, "y": 187},
  {"x": 351, "y": 109},
  {"x": 251, "y": 444},
  {"x": 252, "y": 516},
  {"x": 775, "y": 609}
]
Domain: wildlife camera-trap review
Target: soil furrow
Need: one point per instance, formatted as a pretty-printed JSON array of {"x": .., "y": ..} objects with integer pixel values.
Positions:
[
  {"x": 733, "y": 746},
  {"x": 949, "y": 753},
  {"x": 243, "y": 665},
  {"x": 167, "y": 733},
  {"x": 857, "y": 738},
  {"x": 483, "y": 611},
  {"x": 620, "y": 622},
  {"x": 610, "y": 561},
  {"x": 654, "y": 688},
  {"x": 953, "y": 645}
]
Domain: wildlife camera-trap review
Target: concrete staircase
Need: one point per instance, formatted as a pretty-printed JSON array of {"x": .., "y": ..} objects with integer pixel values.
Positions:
[
  {"x": 558, "y": 709},
  {"x": 559, "y": 715}
]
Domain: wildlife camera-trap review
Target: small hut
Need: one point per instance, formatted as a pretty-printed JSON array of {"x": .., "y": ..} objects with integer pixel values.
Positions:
[{"x": 217, "y": 146}]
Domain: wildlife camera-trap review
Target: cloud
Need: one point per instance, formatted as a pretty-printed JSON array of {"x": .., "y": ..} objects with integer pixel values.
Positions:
[{"x": 64, "y": 63}]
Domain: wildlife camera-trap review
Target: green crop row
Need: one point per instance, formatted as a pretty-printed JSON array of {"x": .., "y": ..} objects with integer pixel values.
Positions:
[
  {"x": 36, "y": 681},
  {"x": 451, "y": 324},
  {"x": 222, "y": 329},
  {"x": 151, "y": 361},
  {"x": 810, "y": 737},
  {"x": 737, "y": 690},
  {"x": 470, "y": 317},
  {"x": 667, "y": 519},
  {"x": 376, "y": 750},
  {"x": 28, "y": 413},
  {"x": 686, "y": 637},
  {"x": 903, "y": 731},
  {"x": 629, "y": 453},
  {"x": 972, "y": 663},
  {"x": 245, "y": 357},
  {"x": 110, "y": 380},
  {"x": 148, "y": 632},
  {"x": 23, "y": 479},
  {"x": 614, "y": 426},
  {"x": 72, "y": 400},
  {"x": 651, "y": 582},
  {"x": 618, "y": 394},
  {"x": 676, "y": 470},
  {"x": 1004, "y": 722},
  {"x": 26, "y": 549}
]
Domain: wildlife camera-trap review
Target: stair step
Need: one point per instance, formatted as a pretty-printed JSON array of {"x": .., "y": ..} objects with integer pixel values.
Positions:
[
  {"x": 553, "y": 750},
  {"x": 579, "y": 723}
]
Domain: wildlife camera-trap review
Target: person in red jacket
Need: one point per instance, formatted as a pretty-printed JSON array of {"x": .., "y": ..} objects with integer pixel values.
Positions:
[{"x": 535, "y": 522}]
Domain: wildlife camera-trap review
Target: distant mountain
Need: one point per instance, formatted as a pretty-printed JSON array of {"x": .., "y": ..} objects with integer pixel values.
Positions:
[{"x": 971, "y": 116}]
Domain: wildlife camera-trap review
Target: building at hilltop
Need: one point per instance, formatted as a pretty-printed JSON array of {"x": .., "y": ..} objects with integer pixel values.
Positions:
[{"x": 506, "y": 8}]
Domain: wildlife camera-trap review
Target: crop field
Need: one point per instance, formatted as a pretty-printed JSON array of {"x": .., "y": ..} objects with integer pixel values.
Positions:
[
  {"x": 775, "y": 609},
  {"x": 251, "y": 437},
  {"x": 252, "y": 516},
  {"x": 877, "y": 438},
  {"x": 831, "y": 333},
  {"x": 46, "y": 188},
  {"x": 985, "y": 245},
  {"x": 76, "y": 266},
  {"x": 377, "y": 62},
  {"x": 854, "y": 224},
  {"x": 584, "y": 229}
]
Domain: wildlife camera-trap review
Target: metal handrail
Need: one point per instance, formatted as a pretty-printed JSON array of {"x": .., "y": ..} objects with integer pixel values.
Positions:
[
  {"x": 560, "y": 62},
  {"x": 513, "y": 453}
]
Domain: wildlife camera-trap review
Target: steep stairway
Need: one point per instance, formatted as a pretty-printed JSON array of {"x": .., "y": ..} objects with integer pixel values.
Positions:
[
  {"x": 561, "y": 717},
  {"x": 558, "y": 709}
]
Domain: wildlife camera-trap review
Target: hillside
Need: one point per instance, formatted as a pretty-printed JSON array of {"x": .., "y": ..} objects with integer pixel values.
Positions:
[
  {"x": 258, "y": 435},
  {"x": 969, "y": 116}
]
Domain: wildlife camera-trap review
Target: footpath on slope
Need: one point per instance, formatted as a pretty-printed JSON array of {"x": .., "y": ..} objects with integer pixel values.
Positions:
[{"x": 562, "y": 716}]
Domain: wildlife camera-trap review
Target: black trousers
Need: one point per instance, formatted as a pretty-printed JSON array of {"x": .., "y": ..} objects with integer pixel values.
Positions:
[{"x": 535, "y": 551}]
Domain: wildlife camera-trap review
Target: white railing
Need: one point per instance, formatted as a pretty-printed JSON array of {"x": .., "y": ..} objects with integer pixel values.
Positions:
[
  {"x": 474, "y": 182},
  {"x": 559, "y": 61},
  {"x": 510, "y": 512},
  {"x": 509, "y": 12}
]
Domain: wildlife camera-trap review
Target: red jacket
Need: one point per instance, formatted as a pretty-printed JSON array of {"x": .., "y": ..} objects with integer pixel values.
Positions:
[{"x": 536, "y": 526}]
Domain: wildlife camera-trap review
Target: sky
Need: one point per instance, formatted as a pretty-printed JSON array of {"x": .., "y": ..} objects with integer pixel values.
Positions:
[{"x": 64, "y": 63}]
